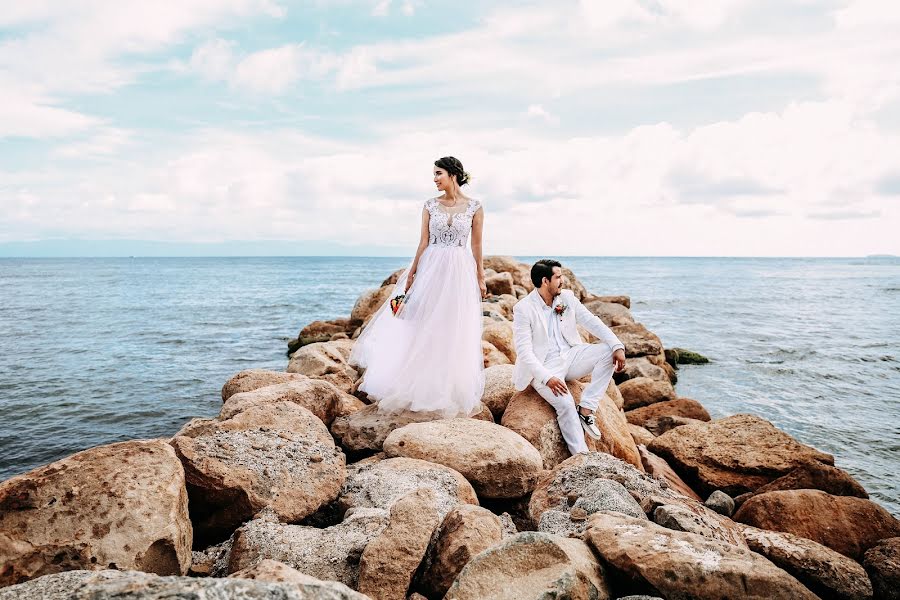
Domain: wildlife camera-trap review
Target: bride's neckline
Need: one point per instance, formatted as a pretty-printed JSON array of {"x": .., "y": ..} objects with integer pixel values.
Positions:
[{"x": 447, "y": 208}]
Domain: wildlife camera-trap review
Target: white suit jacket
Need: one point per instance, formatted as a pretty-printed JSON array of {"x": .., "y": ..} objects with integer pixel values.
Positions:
[{"x": 532, "y": 339}]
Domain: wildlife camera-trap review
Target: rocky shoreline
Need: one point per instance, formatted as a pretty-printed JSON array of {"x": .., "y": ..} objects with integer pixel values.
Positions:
[{"x": 299, "y": 488}]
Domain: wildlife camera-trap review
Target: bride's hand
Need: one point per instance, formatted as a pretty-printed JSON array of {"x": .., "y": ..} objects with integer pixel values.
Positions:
[
  {"x": 409, "y": 282},
  {"x": 483, "y": 287}
]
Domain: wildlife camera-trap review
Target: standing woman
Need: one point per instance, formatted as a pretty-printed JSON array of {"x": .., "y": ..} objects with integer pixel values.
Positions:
[{"x": 427, "y": 357}]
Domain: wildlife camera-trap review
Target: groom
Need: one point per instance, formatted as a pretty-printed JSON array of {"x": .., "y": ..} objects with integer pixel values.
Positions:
[{"x": 551, "y": 351}]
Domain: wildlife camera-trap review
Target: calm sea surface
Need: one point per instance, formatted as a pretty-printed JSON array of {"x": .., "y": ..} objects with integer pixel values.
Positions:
[{"x": 100, "y": 350}]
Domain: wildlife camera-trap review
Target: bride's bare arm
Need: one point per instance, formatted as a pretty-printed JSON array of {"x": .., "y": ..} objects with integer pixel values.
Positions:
[
  {"x": 423, "y": 243},
  {"x": 477, "y": 230}
]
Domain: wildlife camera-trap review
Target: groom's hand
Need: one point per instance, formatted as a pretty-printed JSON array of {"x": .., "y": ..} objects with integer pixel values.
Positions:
[
  {"x": 619, "y": 360},
  {"x": 557, "y": 386}
]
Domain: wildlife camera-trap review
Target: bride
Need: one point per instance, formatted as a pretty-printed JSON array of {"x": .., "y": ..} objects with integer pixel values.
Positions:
[{"x": 427, "y": 356}]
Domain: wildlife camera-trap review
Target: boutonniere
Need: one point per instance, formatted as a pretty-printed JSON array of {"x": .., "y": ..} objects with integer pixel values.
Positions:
[{"x": 559, "y": 309}]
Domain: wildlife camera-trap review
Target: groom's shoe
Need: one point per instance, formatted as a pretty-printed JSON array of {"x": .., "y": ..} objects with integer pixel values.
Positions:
[{"x": 589, "y": 425}]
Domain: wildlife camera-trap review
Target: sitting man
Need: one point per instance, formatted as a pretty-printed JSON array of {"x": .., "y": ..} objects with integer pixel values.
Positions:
[{"x": 550, "y": 351}]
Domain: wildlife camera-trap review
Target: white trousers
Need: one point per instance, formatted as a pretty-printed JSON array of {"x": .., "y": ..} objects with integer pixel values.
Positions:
[{"x": 596, "y": 359}]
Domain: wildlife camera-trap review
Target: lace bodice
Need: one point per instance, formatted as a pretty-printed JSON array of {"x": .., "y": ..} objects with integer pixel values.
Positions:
[{"x": 450, "y": 229}]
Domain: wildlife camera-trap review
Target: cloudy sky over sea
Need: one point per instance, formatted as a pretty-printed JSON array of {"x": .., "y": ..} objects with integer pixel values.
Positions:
[{"x": 613, "y": 127}]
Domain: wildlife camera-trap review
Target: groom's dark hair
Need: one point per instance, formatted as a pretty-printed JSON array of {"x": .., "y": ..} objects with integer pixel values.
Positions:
[{"x": 543, "y": 268}]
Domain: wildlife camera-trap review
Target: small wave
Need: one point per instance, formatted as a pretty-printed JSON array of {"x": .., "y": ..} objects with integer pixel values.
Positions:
[{"x": 176, "y": 342}]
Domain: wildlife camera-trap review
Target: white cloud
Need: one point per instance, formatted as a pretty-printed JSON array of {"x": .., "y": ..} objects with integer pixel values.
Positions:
[{"x": 539, "y": 112}]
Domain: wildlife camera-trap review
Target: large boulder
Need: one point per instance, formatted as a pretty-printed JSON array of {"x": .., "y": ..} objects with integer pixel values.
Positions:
[
  {"x": 278, "y": 456},
  {"x": 365, "y": 430},
  {"x": 685, "y": 565},
  {"x": 120, "y": 506},
  {"x": 829, "y": 574},
  {"x": 498, "y": 388},
  {"x": 500, "y": 335},
  {"x": 644, "y": 391},
  {"x": 736, "y": 454},
  {"x": 612, "y": 314},
  {"x": 638, "y": 340},
  {"x": 679, "y": 407},
  {"x": 390, "y": 560},
  {"x": 882, "y": 562},
  {"x": 369, "y": 302},
  {"x": 135, "y": 585},
  {"x": 251, "y": 379},
  {"x": 617, "y": 299},
  {"x": 846, "y": 524},
  {"x": 327, "y": 361},
  {"x": 331, "y": 554},
  {"x": 641, "y": 436},
  {"x": 465, "y": 532},
  {"x": 497, "y": 461},
  {"x": 813, "y": 476},
  {"x": 573, "y": 478},
  {"x": 532, "y": 565},
  {"x": 532, "y": 417},
  {"x": 321, "y": 398},
  {"x": 599, "y": 495},
  {"x": 379, "y": 484}
]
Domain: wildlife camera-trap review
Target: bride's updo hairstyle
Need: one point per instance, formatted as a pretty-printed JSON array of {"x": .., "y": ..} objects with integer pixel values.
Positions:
[{"x": 453, "y": 167}]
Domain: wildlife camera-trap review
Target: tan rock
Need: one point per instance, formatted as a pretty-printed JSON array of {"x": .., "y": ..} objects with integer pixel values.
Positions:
[
  {"x": 326, "y": 361},
  {"x": 390, "y": 560},
  {"x": 532, "y": 565},
  {"x": 278, "y": 456},
  {"x": 679, "y": 407},
  {"x": 500, "y": 334},
  {"x": 816, "y": 476},
  {"x": 638, "y": 340},
  {"x": 321, "y": 398},
  {"x": 571, "y": 282},
  {"x": 822, "y": 570},
  {"x": 379, "y": 484},
  {"x": 660, "y": 469},
  {"x": 465, "y": 532},
  {"x": 330, "y": 554},
  {"x": 135, "y": 585},
  {"x": 643, "y": 391},
  {"x": 251, "y": 379},
  {"x": 370, "y": 301},
  {"x": 366, "y": 429},
  {"x": 686, "y": 565},
  {"x": 640, "y": 436},
  {"x": 521, "y": 273},
  {"x": 882, "y": 562},
  {"x": 735, "y": 454},
  {"x": 612, "y": 314},
  {"x": 493, "y": 356},
  {"x": 846, "y": 524},
  {"x": 500, "y": 283},
  {"x": 641, "y": 367},
  {"x": 694, "y": 517},
  {"x": 498, "y": 388},
  {"x": 277, "y": 572},
  {"x": 121, "y": 505},
  {"x": 498, "y": 462}
]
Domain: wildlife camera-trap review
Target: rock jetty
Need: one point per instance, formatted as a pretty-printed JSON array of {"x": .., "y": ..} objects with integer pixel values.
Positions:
[{"x": 301, "y": 489}]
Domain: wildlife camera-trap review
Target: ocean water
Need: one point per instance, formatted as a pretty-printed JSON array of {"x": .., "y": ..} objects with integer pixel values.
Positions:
[{"x": 94, "y": 351}]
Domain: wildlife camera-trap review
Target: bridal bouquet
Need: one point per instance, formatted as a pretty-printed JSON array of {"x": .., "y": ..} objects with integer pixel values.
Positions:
[{"x": 397, "y": 304}]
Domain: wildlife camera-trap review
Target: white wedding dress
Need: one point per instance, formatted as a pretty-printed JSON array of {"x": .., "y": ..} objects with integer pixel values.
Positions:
[{"x": 428, "y": 357}]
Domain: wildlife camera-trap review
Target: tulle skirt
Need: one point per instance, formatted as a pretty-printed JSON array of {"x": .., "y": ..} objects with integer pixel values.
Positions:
[{"x": 427, "y": 358}]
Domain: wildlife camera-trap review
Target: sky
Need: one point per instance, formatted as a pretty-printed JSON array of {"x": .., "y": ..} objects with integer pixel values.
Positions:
[{"x": 603, "y": 128}]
